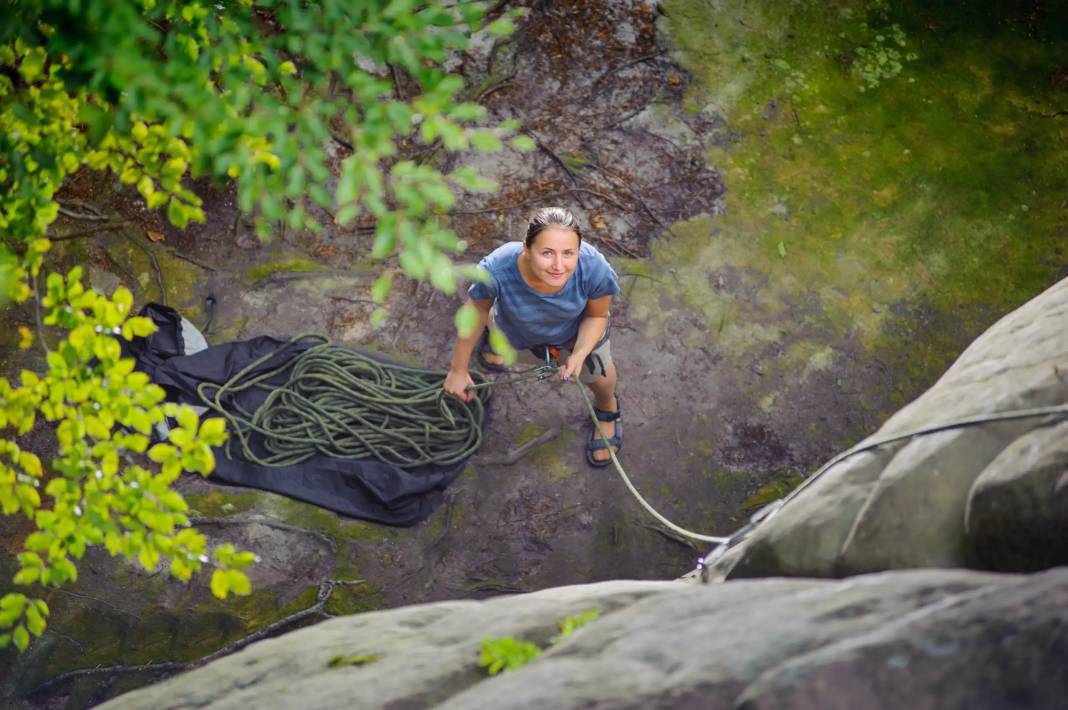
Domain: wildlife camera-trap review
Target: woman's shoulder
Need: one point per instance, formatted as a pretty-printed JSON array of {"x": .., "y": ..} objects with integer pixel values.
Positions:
[
  {"x": 591, "y": 252},
  {"x": 598, "y": 278},
  {"x": 501, "y": 257}
]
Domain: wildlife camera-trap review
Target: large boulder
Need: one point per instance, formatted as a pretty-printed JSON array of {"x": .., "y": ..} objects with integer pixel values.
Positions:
[
  {"x": 920, "y": 639},
  {"x": 1017, "y": 514},
  {"x": 992, "y": 495}
]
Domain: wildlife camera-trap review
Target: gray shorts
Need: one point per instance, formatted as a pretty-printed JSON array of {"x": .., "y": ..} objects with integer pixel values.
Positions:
[{"x": 594, "y": 367}]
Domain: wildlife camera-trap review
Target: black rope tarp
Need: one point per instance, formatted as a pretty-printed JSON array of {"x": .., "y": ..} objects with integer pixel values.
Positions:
[{"x": 366, "y": 488}]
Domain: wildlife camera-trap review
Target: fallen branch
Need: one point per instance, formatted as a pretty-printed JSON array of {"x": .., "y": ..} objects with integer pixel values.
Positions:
[
  {"x": 342, "y": 142},
  {"x": 155, "y": 265},
  {"x": 179, "y": 255},
  {"x": 446, "y": 528},
  {"x": 326, "y": 589},
  {"x": 540, "y": 198},
  {"x": 231, "y": 522},
  {"x": 555, "y": 158},
  {"x": 621, "y": 67},
  {"x": 670, "y": 535},
  {"x": 396, "y": 81},
  {"x": 83, "y": 216},
  {"x": 89, "y": 232},
  {"x": 507, "y": 81},
  {"x": 519, "y": 452},
  {"x": 102, "y": 670},
  {"x": 296, "y": 275}
]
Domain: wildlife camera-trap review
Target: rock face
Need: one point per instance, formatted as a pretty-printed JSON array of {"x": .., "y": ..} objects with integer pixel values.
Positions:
[
  {"x": 992, "y": 496},
  {"x": 919, "y": 639}
]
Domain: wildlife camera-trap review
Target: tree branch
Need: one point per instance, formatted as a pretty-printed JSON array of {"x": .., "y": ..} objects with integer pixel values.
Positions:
[
  {"x": 231, "y": 522},
  {"x": 519, "y": 452}
]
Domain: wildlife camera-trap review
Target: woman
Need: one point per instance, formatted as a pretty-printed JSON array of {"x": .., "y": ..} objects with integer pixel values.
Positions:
[{"x": 550, "y": 290}]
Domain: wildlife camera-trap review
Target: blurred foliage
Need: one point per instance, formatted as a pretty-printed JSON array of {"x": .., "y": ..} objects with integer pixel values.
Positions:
[
  {"x": 100, "y": 489},
  {"x": 157, "y": 94}
]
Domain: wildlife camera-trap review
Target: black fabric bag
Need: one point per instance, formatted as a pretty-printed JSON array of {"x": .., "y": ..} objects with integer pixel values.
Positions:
[{"x": 366, "y": 489}]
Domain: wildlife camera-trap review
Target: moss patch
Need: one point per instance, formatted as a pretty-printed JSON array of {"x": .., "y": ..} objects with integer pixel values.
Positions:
[
  {"x": 312, "y": 517},
  {"x": 886, "y": 168},
  {"x": 281, "y": 266},
  {"x": 355, "y": 598},
  {"x": 783, "y": 482},
  {"x": 553, "y": 458},
  {"x": 217, "y": 504}
]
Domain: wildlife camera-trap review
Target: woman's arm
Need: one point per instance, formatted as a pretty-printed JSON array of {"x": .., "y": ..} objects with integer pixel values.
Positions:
[
  {"x": 459, "y": 377},
  {"x": 591, "y": 330}
]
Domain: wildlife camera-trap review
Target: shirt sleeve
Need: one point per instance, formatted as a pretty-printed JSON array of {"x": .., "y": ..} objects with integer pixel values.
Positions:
[
  {"x": 603, "y": 280},
  {"x": 487, "y": 291}
]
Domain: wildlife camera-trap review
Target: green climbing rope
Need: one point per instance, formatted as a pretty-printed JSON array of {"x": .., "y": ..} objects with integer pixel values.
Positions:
[{"x": 346, "y": 405}]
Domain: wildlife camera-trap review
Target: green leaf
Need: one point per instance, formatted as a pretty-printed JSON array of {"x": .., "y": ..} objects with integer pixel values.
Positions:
[
  {"x": 381, "y": 287},
  {"x": 178, "y": 214},
  {"x": 439, "y": 194},
  {"x": 341, "y": 660},
  {"x": 141, "y": 327},
  {"x": 238, "y": 582},
  {"x": 220, "y": 583},
  {"x": 27, "y": 576},
  {"x": 467, "y": 320},
  {"x": 412, "y": 265},
  {"x": 34, "y": 620},
  {"x": 502, "y": 347},
  {"x": 502, "y": 27},
  {"x": 161, "y": 452},
  {"x": 485, "y": 141},
  {"x": 213, "y": 431},
  {"x": 21, "y": 637},
  {"x": 441, "y": 274},
  {"x": 781, "y": 250},
  {"x": 187, "y": 419},
  {"x": 524, "y": 144}
]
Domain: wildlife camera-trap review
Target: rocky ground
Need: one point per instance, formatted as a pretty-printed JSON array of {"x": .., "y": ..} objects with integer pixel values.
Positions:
[{"x": 747, "y": 355}]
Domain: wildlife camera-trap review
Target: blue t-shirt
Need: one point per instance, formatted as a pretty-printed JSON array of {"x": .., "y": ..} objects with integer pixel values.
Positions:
[{"x": 530, "y": 318}]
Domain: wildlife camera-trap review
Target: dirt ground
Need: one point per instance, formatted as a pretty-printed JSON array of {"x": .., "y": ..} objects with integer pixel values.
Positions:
[{"x": 712, "y": 429}]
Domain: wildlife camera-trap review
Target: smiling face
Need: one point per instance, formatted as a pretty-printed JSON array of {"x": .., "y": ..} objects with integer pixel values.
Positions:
[{"x": 553, "y": 256}]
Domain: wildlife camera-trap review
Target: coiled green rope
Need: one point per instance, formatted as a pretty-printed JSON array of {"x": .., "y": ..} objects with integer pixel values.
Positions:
[{"x": 346, "y": 405}]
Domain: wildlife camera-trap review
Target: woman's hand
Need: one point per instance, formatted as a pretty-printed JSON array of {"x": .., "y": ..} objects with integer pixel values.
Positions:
[
  {"x": 569, "y": 368},
  {"x": 456, "y": 384}
]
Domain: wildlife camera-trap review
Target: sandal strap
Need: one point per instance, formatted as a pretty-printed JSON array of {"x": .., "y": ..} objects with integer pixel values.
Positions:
[
  {"x": 598, "y": 443},
  {"x": 606, "y": 416}
]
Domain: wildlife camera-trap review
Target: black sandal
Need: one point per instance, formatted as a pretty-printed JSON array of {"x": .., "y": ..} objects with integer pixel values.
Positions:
[{"x": 596, "y": 443}]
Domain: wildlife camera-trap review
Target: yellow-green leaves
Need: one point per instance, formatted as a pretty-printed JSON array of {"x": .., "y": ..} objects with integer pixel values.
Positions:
[
  {"x": 466, "y": 320},
  {"x": 500, "y": 345},
  {"x": 14, "y": 607},
  {"x": 229, "y": 577},
  {"x": 100, "y": 493},
  {"x": 225, "y": 581},
  {"x": 506, "y": 654}
]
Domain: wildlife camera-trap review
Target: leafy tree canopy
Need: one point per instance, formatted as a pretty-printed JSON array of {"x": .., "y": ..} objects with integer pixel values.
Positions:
[{"x": 158, "y": 93}]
